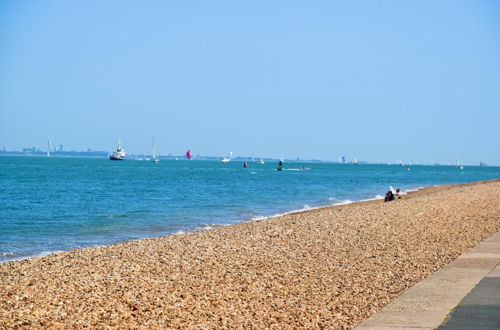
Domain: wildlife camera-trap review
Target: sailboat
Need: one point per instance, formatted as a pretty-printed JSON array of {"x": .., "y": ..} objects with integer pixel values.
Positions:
[
  {"x": 459, "y": 166},
  {"x": 188, "y": 154},
  {"x": 154, "y": 158},
  {"x": 355, "y": 161},
  {"x": 119, "y": 154},
  {"x": 227, "y": 159},
  {"x": 49, "y": 144}
]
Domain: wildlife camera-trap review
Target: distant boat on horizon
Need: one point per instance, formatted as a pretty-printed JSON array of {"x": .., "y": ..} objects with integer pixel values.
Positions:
[
  {"x": 261, "y": 161},
  {"x": 227, "y": 159},
  {"x": 355, "y": 161},
  {"x": 49, "y": 144},
  {"x": 459, "y": 166},
  {"x": 188, "y": 154},
  {"x": 120, "y": 153},
  {"x": 154, "y": 157}
]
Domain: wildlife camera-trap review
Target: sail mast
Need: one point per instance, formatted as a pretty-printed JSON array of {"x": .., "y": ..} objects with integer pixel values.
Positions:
[{"x": 153, "y": 148}]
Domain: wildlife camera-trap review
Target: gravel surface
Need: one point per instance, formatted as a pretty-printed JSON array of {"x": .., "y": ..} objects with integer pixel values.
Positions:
[{"x": 325, "y": 268}]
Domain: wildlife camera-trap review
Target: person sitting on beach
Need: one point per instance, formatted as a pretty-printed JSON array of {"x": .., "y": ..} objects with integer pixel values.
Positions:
[
  {"x": 398, "y": 196},
  {"x": 389, "y": 196}
]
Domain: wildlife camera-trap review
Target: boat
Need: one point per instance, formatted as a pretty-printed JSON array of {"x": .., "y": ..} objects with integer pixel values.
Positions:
[
  {"x": 459, "y": 166},
  {"x": 355, "y": 161},
  {"x": 261, "y": 161},
  {"x": 49, "y": 144},
  {"x": 155, "y": 159},
  {"x": 280, "y": 166},
  {"x": 245, "y": 164},
  {"x": 227, "y": 159},
  {"x": 119, "y": 154},
  {"x": 188, "y": 154}
]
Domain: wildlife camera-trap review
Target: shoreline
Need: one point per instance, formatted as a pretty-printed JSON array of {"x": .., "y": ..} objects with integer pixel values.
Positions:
[
  {"x": 327, "y": 267},
  {"x": 212, "y": 226}
]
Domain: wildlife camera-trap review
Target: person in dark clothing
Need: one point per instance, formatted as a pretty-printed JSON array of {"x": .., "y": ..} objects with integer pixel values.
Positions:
[{"x": 389, "y": 196}]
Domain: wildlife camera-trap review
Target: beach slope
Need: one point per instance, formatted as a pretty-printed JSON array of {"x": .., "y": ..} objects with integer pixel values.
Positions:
[{"x": 328, "y": 268}]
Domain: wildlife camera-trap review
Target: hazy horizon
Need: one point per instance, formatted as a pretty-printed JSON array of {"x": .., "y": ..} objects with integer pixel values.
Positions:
[{"x": 416, "y": 81}]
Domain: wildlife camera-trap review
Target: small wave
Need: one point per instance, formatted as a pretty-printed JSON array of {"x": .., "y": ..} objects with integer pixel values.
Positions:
[
  {"x": 46, "y": 253},
  {"x": 116, "y": 216},
  {"x": 343, "y": 202},
  {"x": 404, "y": 192},
  {"x": 305, "y": 208},
  {"x": 8, "y": 254},
  {"x": 258, "y": 218},
  {"x": 179, "y": 232}
]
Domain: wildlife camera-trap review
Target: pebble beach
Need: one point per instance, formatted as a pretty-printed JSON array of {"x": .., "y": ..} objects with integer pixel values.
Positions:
[{"x": 331, "y": 267}]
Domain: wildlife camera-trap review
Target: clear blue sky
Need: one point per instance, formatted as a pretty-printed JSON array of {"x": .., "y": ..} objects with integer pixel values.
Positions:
[{"x": 309, "y": 79}]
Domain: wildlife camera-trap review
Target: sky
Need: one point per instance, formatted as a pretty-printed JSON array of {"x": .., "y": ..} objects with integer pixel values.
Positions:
[{"x": 376, "y": 80}]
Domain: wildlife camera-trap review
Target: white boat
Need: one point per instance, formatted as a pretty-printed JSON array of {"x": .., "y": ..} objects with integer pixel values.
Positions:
[
  {"x": 154, "y": 157},
  {"x": 459, "y": 166},
  {"x": 49, "y": 144},
  {"x": 120, "y": 153},
  {"x": 355, "y": 161},
  {"x": 261, "y": 161},
  {"x": 227, "y": 159}
]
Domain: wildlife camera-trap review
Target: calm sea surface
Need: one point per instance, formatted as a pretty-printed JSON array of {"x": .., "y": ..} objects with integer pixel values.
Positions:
[{"x": 58, "y": 204}]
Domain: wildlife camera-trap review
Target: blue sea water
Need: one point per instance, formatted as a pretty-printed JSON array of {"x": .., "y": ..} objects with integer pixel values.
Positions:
[{"x": 58, "y": 204}]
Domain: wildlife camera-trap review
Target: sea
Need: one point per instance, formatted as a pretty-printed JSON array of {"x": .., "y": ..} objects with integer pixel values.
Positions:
[{"x": 51, "y": 204}]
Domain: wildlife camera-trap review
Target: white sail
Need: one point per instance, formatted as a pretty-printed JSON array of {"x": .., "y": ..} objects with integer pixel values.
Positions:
[
  {"x": 227, "y": 159},
  {"x": 154, "y": 157},
  {"x": 459, "y": 166},
  {"x": 49, "y": 144}
]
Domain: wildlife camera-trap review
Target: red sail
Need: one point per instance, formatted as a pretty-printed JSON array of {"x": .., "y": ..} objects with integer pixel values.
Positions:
[{"x": 188, "y": 154}]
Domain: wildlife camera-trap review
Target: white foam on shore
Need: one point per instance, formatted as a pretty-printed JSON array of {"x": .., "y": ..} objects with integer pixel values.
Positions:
[
  {"x": 404, "y": 192},
  {"x": 305, "y": 208},
  {"x": 179, "y": 232},
  {"x": 46, "y": 253},
  {"x": 335, "y": 201}
]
